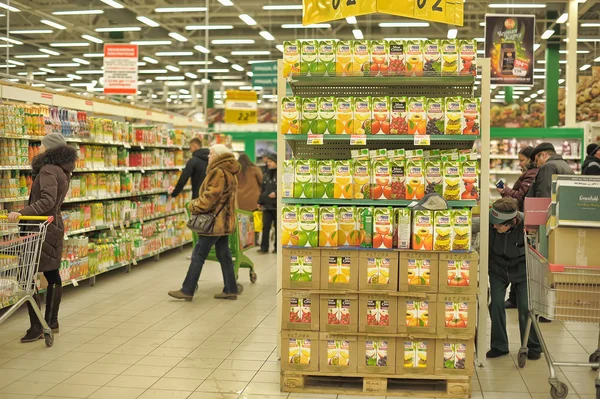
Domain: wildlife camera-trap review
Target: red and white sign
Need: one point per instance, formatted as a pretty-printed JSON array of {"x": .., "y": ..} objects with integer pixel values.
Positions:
[{"x": 120, "y": 68}]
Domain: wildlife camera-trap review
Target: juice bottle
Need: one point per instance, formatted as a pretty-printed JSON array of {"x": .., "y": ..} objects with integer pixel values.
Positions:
[
  {"x": 360, "y": 57},
  {"x": 343, "y": 58},
  {"x": 328, "y": 226},
  {"x": 344, "y": 118}
]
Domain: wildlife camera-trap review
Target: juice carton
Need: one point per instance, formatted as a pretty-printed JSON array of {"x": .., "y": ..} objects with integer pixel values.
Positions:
[
  {"x": 471, "y": 112},
  {"x": 362, "y": 115},
  {"x": 415, "y": 353},
  {"x": 442, "y": 230},
  {"x": 326, "y": 121},
  {"x": 432, "y": 56},
  {"x": 308, "y": 57},
  {"x": 414, "y": 57},
  {"x": 342, "y": 179},
  {"x": 287, "y": 190},
  {"x": 305, "y": 176},
  {"x": 470, "y": 178},
  {"x": 308, "y": 226},
  {"x": 381, "y": 180},
  {"x": 398, "y": 174},
  {"x": 397, "y": 58},
  {"x": 289, "y": 224},
  {"x": 422, "y": 230},
  {"x": 433, "y": 176},
  {"x": 417, "y": 115},
  {"x": 416, "y": 154},
  {"x": 415, "y": 179},
  {"x": 290, "y": 115},
  {"x": 343, "y": 58},
  {"x": 361, "y": 154},
  {"x": 324, "y": 185},
  {"x": 344, "y": 123},
  {"x": 310, "y": 114},
  {"x": 291, "y": 58},
  {"x": 433, "y": 153},
  {"x": 398, "y": 115},
  {"x": 328, "y": 226},
  {"x": 360, "y": 57},
  {"x": 348, "y": 226},
  {"x": 383, "y": 227},
  {"x": 365, "y": 220},
  {"x": 435, "y": 116},
  {"x": 451, "y": 189},
  {"x": 361, "y": 177},
  {"x": 380, "y": 120},
  {"x": 450, "y": 57},
  {"x": 467, "y": 50},
  {"x": 326, "y": 59},
  {"x": 380, "y": 52},
  {"x": 380, "y": 154},
  {"x": 453, "y": 111},
  {"x": 461, "y": 229},
  {"x": 402, "y": 228}
]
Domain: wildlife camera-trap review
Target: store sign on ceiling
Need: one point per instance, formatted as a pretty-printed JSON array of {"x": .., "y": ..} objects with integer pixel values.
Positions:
[
  {"x": 264, "y": 74},
  {"x": 445, "y": 11},
  {"x": 241, "y": 107},
  {"x": 120, "y": 69}
]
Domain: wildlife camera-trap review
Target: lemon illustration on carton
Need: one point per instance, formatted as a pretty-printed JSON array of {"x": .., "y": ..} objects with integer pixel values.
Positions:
[
  {"x": 291, "y": 58},
  {"x": 328, "y": 226},
  {"x": 289, "y": 225},
  {"x": 290, "y": 115}
]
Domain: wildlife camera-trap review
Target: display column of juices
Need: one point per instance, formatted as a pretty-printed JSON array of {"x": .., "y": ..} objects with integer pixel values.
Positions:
[
  {"x": 117, "y": 210},
  {"x": 372, "y": 288}
]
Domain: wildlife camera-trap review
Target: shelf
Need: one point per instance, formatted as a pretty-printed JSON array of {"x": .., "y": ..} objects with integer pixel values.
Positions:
[
  {"x": 106, "y": 169},
  {"x": 384, "y": 137},
  {"x": 368, "y": 202},
  {"x": 84, "y": 140},
  {"x": 99, "y": 198},
  {"x": 15, "y": 167},
  {"x": 375, "y": 249}
]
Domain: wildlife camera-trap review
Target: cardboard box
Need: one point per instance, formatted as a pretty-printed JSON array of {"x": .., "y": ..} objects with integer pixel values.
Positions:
[
  {"x": 299, "y": 351},
  {"x": 376, "y": 355},
  {"x": 419, "y": 271},
  {"x": 578, "y": 206},
  {"x": 339, "y": 312},
  {"x": 415, "y": 356},
  {"x": 572, "y": 181},
  {"x": 378, "y": 313},
  {"x": 417, "y": 315},
  {"x": 300, "y": 310},
  {"x": 339, "y": 270},
  {"x": 458, "y": 273},
  {"x": 378, "y": 271},
  {"x": 454, "y": 357},
  {"x": 573, "y": 246},
  {"x": 338, "y": 353},
  {"x": 536, "y": 211},
  {"x": 457, "y": 315},
  {"x": 301, "y": 268}
]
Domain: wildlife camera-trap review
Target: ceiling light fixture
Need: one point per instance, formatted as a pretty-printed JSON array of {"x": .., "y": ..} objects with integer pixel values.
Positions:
[
  {"x": 64, "y": 65},
  {"x": 547, "y": 34},
  {"x": 590, "y": 24},
  {"x": 48, "y": 70},
  {"x": 205, "y": 81},
  {"x": 191, "y": 75},
  {"x": 578, "y": 51},
  {"x": 585, "y": 67},
  {"x": 226, "y": 3},
  {"x": 148, "y": 21},
  {"x": 150, "y": 60},
  {"x": 251, "y": 52},
  {"x": 173, "y": 68},
  {"x": 226, "y": 77},
  {"x": 76, "y": 77},
  {"x": 90, "y": 72},
  {"x": 152, "y": 71},
  {"x": 69, "y": 44},
  {"x": 237, "y": 67},
  {"x": 170, "y": 78},
  {"x": 259, "y": 61},
  {"x": 247, "y": 19},
  {"x": 452, "y": 33},
  {"x": 92, "y": 38},
  {"x": 59, "y": 79},
  {"x": 279, "y": 47},
  {"x": 221, "y": 59},
  {"x": 283, "y": 7},
  {"x": 27, "y": 56},
  {"x": 300, "y": 26},
  {"x": 404, "y": 24},
  {"x": 9, "y": 40},
  {"x": 536, "y": 47},
  {"x": 351, "y": 20},
  {"x": 9, "y": 8},
  {"x": 53, "y": 24},
  {"x": 174, "y": 53},
  {"x": 94, "y": 55},
  {"x": 152, "y": 42},
  {"x": 358, "y": 34},
  {"x": 50, "y": 52},
  {"x": 179, "y": 9},
  {"x": 178, "y": 37},
  {"x": 517, "y": 5},
  {"x": 209, "y": 27},
  {"x": 113, "y": 3},
  {"x": 81, "y": 61},
  {"x": 266, "y": 35},
  {"x": 202, "y": 49},
  {"x": 32, "y": 73},
  {"x": 232, "y": 41},
  {"x": 19, "y": 63},
  {"x": 563, "y": 18},
  {"x": 213, "y": 70},
  {"x": 78, "y": 12},
  {"x": 30, "y": 31},
  {"x": 195, "y": 62},
  {"x": 120, "y": 29}
]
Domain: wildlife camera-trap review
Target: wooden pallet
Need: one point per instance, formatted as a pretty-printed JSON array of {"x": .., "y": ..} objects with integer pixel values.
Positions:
[{"x": 377, "y": 385}]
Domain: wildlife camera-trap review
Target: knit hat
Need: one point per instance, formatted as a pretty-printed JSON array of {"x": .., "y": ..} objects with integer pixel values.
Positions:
[
  {"x": 541, "y": 147},
  {"x": 53, "y": 140},
  {"x": 272, "y": 156},
  {"x": 592, "y": 149}
]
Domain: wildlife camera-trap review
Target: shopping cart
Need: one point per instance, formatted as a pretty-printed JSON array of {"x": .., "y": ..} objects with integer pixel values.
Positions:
[
  {"x": 560, "y": 293},
  {"x": 20, "y": 250}
]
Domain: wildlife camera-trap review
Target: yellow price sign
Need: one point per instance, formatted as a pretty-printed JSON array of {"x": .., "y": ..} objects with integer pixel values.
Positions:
[
  {"x": 241, "y": 107},
  {"x": 316, "y": 11}
]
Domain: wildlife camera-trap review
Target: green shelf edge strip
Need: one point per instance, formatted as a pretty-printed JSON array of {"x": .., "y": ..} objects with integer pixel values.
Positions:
[
  {"x": 383, "y": 137},
  {"x": 536, "y": 133},
  {"x": 390, "y": 81},
  {"x": 382, "y": 203}
]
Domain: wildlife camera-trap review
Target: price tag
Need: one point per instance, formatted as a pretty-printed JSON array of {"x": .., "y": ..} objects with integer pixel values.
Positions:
[
  {"x": 111, "y": 227},
  {"x": 75, "y": 283},
  {"x": 142, "y": 146},
  {"x": 134, "y": 261},
  {"x": 358, "y": 139},
  {"x": 422, "y": 139},
  {"x": 66, "y": 237},
  {"x": 314, "y": 139},
  {"x": 127, "y": 145},
  {"x": 142, "y": 170}
]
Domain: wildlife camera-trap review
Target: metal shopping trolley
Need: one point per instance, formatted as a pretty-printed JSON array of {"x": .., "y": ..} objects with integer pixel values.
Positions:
[
  {"x": 20, "y": 250},
  {"x": 560, "y": 293}
]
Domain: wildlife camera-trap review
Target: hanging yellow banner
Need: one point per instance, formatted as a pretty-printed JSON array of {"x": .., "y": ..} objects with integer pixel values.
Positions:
[
  {"x": 445, "y": 11},
  {"x": 241, "y": 107}
]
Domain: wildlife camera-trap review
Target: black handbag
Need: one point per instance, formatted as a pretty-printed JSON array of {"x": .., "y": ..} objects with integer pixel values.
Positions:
[{"x": 204, "y": 223}]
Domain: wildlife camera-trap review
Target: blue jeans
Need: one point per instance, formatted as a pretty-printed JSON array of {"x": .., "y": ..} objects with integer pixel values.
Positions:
[{"x": 199, "y": 255}]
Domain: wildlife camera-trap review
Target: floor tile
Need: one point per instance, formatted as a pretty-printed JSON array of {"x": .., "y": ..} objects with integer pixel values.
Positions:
[
  {"x": 71, "y": 391},
  {"x": 47, "y": 376},
  {"x": 27, "y": 387},
  {"x": 141, "y": 370},
  {"x": 188, "y": 372},
  {"x": 105, "y": 368},
  {"x": 222, "y": 386},
  {"x": 232, "y": 375},
  {"x": 164, "y": 394},
  {"x": 117, "y": 393},
  {"x": 177, "y": 384},
  {"x": 132, "y": 381},
  {"x": 92, "y": 379}
]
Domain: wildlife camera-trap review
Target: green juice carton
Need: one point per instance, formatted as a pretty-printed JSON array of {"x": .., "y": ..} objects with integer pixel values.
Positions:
[
  {"x": 291, "y": 107},
  {"x": 325, "y": 65},
  {"x": 432, "y": 57},
  {"x": 361, "y": 177},
  {"x": 308, "y": 57},
  {"x": 343, "y": 58},
  {"x": 348, "y": 226},
  {"x": 310, "y": 114},
  {"x": 326, "y": 121},
  {"x": 365, "y": 220},
  {"x": 325, "y": 175},
  {"x": 453, "y": 115},
  {"x": 451, "y": 189},
  {"x": 290, "y": 222},
  {"x": 435, "y": 116},
  {"x": 342, "y": 179},
  {"x": 380, "y": 111},
  {"x": 328, "y": 226},
  {"x": 433, "y": 176},
  {"x": 287, "y": 175},
  {"x": 305, "y": 177},
  {"x": 380, "y": 56},
  {"x": 291, "y": 58},
  {"x": 450, "y": 57},
  {"x": 308, "y": 226}
]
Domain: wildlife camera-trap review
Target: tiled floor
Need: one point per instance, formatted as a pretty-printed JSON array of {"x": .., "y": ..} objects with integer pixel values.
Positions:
[{"x": 125, "y": 338}]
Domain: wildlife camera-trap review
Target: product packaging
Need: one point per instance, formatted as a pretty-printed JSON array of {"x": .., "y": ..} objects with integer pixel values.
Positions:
[
  {"x": 308, "y": 57},
  {"x": 422, "y": 231},
  {"x": 417, "y": 315},
  {"x": 419, "y": 272},
  {"x": 290, "y": 115},
  {"x": 362, "y": 115},
  {"x": 380, "y": 53},
  {"x": 291, "y": 58},
  {"x": 308, "y": 226},
  {"x": 383, "y": 228},
  {"x": 415, "y": 356},
  {"x": 338, "y": 353},
  {"x": 471, "y": 112},
  {"x": 457, "y": 315},
  {"x": 468, "y": 57},
  {"x": 342, "y": 179},
  {"x": 461, "y": 229},
  {"x": 415, "y": 179},
  {"x": 453, "y": 109},
  {"x": 325, "y": 175},
  {"x": 380, "y": 121},
  {"x": 305, "y": 177},
  {"x": 376, "y": 354},
  {"x": 326, "y": 58},
  {"x": 378, "y": 313},
  {"x": 414, "y": 57},
  {"x": 344, "y": 123},
  {"x": 290, "y": 221},
  {"x": 288, "y": 177},
  {"x": 361, "y": 56},
  {"x": 417, "y": 115},
  {"x": 378, "y": 271},
  {"x": 432, "y": 57},
  {"x": 300, "y": 351},
  {"x": 328, "y": 226},
  {"x": 300, "y": 310},
  {"x": 310, "y": 114},
  {"x": 301, "y": 268},
  {"x": 343, "y": 58},
  {"x": 402, "y": 224},
  {"x": 451, "y": 189},
  {"x": 450, "y": 57},
  {"x": 339, "y": 312},
  {"x": 365, "y": 218},
  {"x": 397, "y": 58},
  {"x": 339, "y": 269},
  {"x": 458, "y": 273},
  {"x": 348, "y": 226}
]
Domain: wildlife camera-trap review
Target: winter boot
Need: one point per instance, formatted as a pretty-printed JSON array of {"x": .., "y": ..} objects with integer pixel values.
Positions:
[
  {"x": 36, "y": 331},
  {"x": 53, "y": 298}
]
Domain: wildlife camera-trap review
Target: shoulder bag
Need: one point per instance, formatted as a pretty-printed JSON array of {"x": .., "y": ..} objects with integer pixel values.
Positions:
[{"x": 204, "y": 223}]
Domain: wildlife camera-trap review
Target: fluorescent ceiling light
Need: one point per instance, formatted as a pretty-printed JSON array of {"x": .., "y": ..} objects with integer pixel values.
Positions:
[
  {"x": 587, "y": 40},
  {"x": 178, "y": 37},
  {"x": 213, "y": 70},
  {"x": 90, "y": 72},
  {"x": 63, "y": 64},
  {"x": 279, "y": 47},
  {"x": 561, "y": 81},
  {"x": 152, "y": 71},
  {"x": 300, "y": 26},
  {"x": 480, "y": 39},
  {"x": 536, "y": 47},
  {"x": 226, "y": 3},
  {"x": 578, "y": 51},
  {"x": 517, "y": 5},
  {"x": 94, "y": 55},
  {"x": 27, "y": 56},
  {"x": 221, "y": 59},
  {"x": 534, "y": 95},
  {"x": 9, "y": 40},
  {"x": 32, "y": 73},
  {"x": 141, "y": 63},
  {"x": 205, "y": 81},
  {"x": 283, "y": 7},
  {"x": 174, "y": 53},
  {"x": 152, "y": 42},
  {"x": 226, "y": 77},
  {"x": 120, "y": 29},
  {"x": 237, "y": 67},
  {"x": 259, "y": 61},
  {"x": 150, "y": 60},
  {"x": 351, "y": 20},
  {"x": 358, "y": 34},
  {"x": 179, "y": 9},
  {"x": 172, "y": 68},
  {"x": 175, "y": 84},
  {"x": 202, "y": 49},
  {"x": 539, "y": 76},
  {"x": 81, "y": 61},
  {"x": 251, "y": 52},
  {"x": 191, "y": 75},
  {"x": 78, "y": 12},
  {"x": 250, "y": 73},
  {"x": 527, "y": 99},
  {"x": 541, "y": 91},
  {"x": 247, "y": 19},
  {"x": 195, "y": 62},
  {"x": 30, "y": 31},
  {"x": 53, "y": 24},
  {"x": 404, "y": 24},
  {"x": 542, "y": 70},
  {"x": 590, "y": 25},
  {"x": 92, "y": 38},
  {"x": 70, "y": 44},
  {"x": 586, "y": 66},
  {"x": 148, "y": 21},
  {"x": 48, "y": 70},
  {"x": 233, "y": 84},
  {"x": 209, "y": 27},
  {"x": 232, "y": 41},
  {"x": 170, "y": 78},
  {"x": 112, "y": 3},
  {"x": 266, "y": 35},
  {"x": 76, "y": 77},
  {"x": 452, "y": 33},
  {"x": 547, "y": 34},
  {"x": 482, "y": 24},
  {"x": 9, "y": 8},
  {"x": 19, "y": 63},
  {"x": 563, "y": 18},
  {"x": 80, "y": 84},
  {"x": 59, "y": 79}
]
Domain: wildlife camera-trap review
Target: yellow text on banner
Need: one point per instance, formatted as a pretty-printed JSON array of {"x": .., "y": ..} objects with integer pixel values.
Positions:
[
  {"x": 316, "y": 11},
  {"x": 241, "y": 107}
]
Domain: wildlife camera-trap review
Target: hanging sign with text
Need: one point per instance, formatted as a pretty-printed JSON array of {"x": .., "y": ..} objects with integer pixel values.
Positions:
[
  {"x": 120, "y": 69},
  {"x": 241, "y": 107}
]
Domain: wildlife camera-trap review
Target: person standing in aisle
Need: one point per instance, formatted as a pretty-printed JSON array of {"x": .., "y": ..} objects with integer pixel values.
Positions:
[
  {"x": 195, "y": 168},
  {"x": 217, "y": 197},
  {"x": 591, "y": 165},
  {"x": 507, "y": 265},
  {"x": 549, "y": 163},
  {"x": 268, "y": 203},
  {"x": 250, "y": 181},
  {"x": 52, "y": 169}
]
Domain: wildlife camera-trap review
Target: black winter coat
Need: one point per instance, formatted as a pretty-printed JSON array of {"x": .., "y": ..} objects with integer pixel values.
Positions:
[
  {"x": 542, "y": 184},
  {"x": 507, "y": 253},
  {"x": 196, "y": 169},
  {"x": 269, "y": 186},
  {"x": 591, "y": 166}
]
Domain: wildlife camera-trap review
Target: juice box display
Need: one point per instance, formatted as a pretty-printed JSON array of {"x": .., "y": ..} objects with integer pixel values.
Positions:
[
  {"x": 378, "y": 313},
  {"x": 461, "y": 229},
  {"x": 470, "y": 179},
  {"x": 451, "y": 189},
  {"x": 310, "y": 114},
  {"x": 361, "y": 178},
  {"x": 450, "y": 57},
  {"x": 458, "y": 273},
  {"x": 290, "y": 221},
  {"x": 288, "y": 177},
  {"x": 300, "y": 310},
  {"x": 435, "y": 116},
  {"x": 365, "y": 219},
  {"x": 361, "y": 56},
  {"x": 342, "y": 179},
  {"x": 417, "y": 315},
  {"x": 325, "y": 58},
  {"x": 472, "y": 114},
  {"x": 453, "y": 115},
  {"x": 343, "y": 58},
  {"x": 344, "y": 123},
  {"x": 301, "y": 268},
  {"x": 397, "y": 58},
  {"x": 415, "y": 356},
  {"x": 376, "y": 355},
  {"x": 305, "y": 176},
  {"x": 433, "y": 176},
  {"x": 290, "y": 115},
  {"x": 380, "y": 121},
  {"x": 291, "y": 58},
  {"x": 402, "y": 226},
  {"x": 302, "y": 350},
  {"x": 325, "y": 174},
  {"x": 326, "y": 122},
  {"x": 454, "y": 357},
  {"x": 414, "y": 57},
  {"x": 457, "y": 315},
  {"x": 398, "y": 175},
  {"x": 419, "y": 272},
  {"x": 338, "y": 353},
  {"x": 417, "y": 115},
  {"x": 339, "y": 269},
  {"x": 378, "y": 271},
  {"x": 328, "y": 226},
  {"x": 432, "y": 57},
  {"x": 348, "y": 226},
  {"x": 339, "y": 312},
  {"x": 383, "y": 228},
  {"x": 362, "y": 115},
  {"x": 308, "y": 226},
  {"x": 308, "y": 57},
  {"x": 380, "y": 52},
  {"x": 422, "y": 230},
  {"x": 398, "y": 115},
  {"x": 467, "y": 50},
  {"x": 381, "y": 180},
  {"x": 442, "y": 230},
  {"x": 415, "y": 179}
]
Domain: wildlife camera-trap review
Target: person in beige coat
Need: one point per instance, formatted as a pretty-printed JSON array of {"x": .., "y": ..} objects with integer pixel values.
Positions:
[{"x": 250, "y": 181}]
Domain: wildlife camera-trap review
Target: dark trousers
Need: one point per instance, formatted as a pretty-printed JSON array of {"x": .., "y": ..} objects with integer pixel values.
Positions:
[
  {"x": 199, "y": 255},
  {"x": 512, "y": 295},
  {"x": 499, "y": 337},
  {"x": 53, "y": 277},
  {"x": 269, "y": 218}
]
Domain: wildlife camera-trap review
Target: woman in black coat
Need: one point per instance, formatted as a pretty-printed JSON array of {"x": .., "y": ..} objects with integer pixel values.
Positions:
[{"x": 267, "y": 202}]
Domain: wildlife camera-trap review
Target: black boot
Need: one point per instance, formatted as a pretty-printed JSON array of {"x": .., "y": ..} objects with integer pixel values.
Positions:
[
  {"x": 53, "y": 298},
  {"x": 36, "y": 331}
]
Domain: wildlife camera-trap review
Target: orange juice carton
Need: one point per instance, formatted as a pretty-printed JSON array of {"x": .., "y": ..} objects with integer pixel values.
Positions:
[
  {"x": 380, "y": 53},
  {"x": 310, "y": 115},
  {"x": 432, "y": 57},
  {"x": 467, "y": 50},
  {"x": 398, "y": 115},
  {"x": 342, "y": 179},
  {"x": 469, "y": 190},
  {"x": 380, "y": 120},
  {"x": 344, "y": 118},
  {"x": 402, "y": 228},
  {"x": 417, "y": 115},
  {"x": 308, "y": 57},
  {"x": 361, "y": 55},
  {"x": 328, "y": 226},
  {"x": 471, "y": 113},
  {"x": 324, "y": 185},
  {"x": 397, "y": 58},
  {"x": 361, "y": 178},
  {"x": 308, "y": 226},
  {"x": 381, "y": 180},
  {"x": 290, "y": 220},
  {"x": 325, "y": 65},
  {"x": 362, "y": 115},
  {"x": 414, "y": 57},
  {"x": 343, "y": 58},
  {"x": 433, "y": 176},
  {"x": 449, "y": 57},
  {"x": 398, "y": 173},
  {"x": 451, "y": 189},
  {"x": 435, "y": 116},
  {"x": 305, "y": 177},
  {"x": 442, "y": 230},
  {"x": 383, "y": 228},
  {"x": 326, "y": 121},
  {"x": 453, "y": 115},
  {"x": 287, "y": 175},
  {"x": 348, "y": 226},
  {"x": 291, "y": 58},
  {"x": 422, "y": 230},
  {"x": 365, "y": 219},
  {"x": 290, "y": 115},
  {"x": 461, "y": 229},
  {"x": 415, "y": 179}
]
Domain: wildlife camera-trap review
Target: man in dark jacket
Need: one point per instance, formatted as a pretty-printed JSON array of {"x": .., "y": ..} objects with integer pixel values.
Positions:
[
  {"x": 195, "y": 169},
  {"x": 550, "y": 163},
  {"x": 268, "y": 203},
  {"x": 591, "y": 165}
]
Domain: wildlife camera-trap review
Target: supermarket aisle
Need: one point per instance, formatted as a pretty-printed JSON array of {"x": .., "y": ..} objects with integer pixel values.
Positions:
[{"x": 126, "y": 339}]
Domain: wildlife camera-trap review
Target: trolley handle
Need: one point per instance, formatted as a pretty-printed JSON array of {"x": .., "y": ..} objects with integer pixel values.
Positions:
[{"x": 47, "y": 219}]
